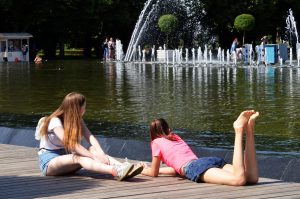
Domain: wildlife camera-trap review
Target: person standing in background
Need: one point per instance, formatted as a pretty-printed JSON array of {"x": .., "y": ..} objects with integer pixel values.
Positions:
[
  {"x": 111, "y": 48},
  {"x": 105, "y": 49}
]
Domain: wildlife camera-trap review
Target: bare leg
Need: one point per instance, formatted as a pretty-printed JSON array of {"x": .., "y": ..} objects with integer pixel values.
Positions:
[
  {"x": 238, "y": 160},
  {"x": 250, "y": 152},
  {"x": 62, "y": 165},
  {"x": 110, "y": 160},
  {"x": 67, "y": 163},
  {"x": 235, "y": 174}
]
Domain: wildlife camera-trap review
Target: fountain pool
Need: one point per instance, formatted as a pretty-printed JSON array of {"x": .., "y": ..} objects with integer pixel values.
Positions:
[{"x": 200, "y": 103}]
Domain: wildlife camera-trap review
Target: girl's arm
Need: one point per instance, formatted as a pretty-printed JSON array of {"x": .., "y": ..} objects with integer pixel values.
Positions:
[
  {"x": 167, "y": 171},
  {"x": 155, "y": 169},
  {"x": 94, "y": 142},
  {"x": 79, "y": 149},
  {"x": 152, "y": 171}
]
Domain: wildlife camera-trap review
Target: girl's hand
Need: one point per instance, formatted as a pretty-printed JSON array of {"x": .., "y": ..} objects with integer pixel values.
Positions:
[{"x": 102, "y": 158}]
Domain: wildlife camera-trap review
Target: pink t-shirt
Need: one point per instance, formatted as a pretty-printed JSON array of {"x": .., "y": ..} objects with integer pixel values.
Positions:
[{"x": 173, "y": 153}]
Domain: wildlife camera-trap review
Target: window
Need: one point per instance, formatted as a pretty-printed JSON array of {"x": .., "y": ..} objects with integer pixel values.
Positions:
[
  {"x": 3, "y": 46},
  {"x": 14, "y": 45}
]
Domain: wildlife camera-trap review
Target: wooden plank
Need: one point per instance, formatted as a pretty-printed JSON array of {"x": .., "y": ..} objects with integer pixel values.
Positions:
[{"x": 20, "y": 178}]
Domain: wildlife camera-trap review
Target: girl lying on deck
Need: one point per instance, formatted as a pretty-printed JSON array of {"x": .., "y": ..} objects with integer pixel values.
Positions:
[
  {"x": 178, "y": 156},
  {"x": 60, "y": 149}
]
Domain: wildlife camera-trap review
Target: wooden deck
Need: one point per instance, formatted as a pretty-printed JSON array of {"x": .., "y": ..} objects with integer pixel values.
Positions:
[{"x": 20, "y": 178}]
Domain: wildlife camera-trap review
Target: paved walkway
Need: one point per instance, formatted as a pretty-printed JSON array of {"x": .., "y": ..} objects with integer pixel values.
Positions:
[{"x": 20, "y": 178}]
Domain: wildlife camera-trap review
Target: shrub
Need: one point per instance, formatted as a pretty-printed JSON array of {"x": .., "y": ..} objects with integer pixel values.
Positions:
[{"x": 243, "y": 23}]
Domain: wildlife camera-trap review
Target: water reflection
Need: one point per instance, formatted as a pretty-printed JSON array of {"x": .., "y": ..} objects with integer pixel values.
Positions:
[{"x": 199, "y": 102}]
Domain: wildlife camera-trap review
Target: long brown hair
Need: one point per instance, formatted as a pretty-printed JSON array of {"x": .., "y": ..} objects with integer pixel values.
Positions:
[
  {"x": 160, "y": 128},
  {"x": 69, "y": 112}
]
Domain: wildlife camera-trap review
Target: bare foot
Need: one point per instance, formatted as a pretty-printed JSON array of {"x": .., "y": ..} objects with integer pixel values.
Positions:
[
  {"x": 252, "y": 119},
  {"x": 242, "y": 120}
]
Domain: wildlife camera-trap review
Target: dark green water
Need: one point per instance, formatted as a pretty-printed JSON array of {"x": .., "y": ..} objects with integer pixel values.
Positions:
[{"x": 200, "y": 103}]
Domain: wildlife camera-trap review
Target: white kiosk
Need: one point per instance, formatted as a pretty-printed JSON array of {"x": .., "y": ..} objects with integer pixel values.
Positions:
[{"x": 14, "y": 47}]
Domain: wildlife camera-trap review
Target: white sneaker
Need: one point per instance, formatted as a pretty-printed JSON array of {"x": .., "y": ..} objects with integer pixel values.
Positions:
[{"x": 123, "y": 170}]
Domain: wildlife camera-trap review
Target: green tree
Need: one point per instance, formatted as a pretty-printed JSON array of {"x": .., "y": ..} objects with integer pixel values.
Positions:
[
  {"x": 220, "y": 17},
  {"x": 243, "y": 23},
  {"x": 167, "y": 24},
  {"x": 84, "y": 24}
]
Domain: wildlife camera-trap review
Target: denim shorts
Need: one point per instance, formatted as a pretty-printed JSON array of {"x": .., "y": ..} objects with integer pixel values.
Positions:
[
  {"x": 45, "y": 155},
  {"x": 194, "y": 169}
]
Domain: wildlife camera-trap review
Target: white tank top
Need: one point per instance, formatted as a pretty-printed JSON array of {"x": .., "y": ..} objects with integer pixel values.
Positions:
[{"x": 52, "y": 142}]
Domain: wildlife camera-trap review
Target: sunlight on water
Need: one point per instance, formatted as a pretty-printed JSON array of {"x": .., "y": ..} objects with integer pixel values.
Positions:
[{"x": 199, "y": 102}]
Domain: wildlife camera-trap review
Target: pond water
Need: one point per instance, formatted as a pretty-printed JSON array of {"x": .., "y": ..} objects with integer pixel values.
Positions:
[{"x": 200, "y": 103}]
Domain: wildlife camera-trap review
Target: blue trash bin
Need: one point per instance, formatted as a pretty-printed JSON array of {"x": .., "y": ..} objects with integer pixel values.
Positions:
[
  {"x": 283, "y": 52},
  {"x": 271, "y": 53}
]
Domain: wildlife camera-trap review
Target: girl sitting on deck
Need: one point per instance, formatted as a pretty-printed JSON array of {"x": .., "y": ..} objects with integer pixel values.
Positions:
[
  {"x": 177, "y": 155},
  {"x": 60, "y": 149}
]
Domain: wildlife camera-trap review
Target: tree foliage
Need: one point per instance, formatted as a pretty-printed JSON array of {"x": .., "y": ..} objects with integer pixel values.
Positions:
[
  {"x": 84, "y": 24},
  {"x": 167, "y": 23},
  {"x": 75, "y": 23},
  {"x": 243, "y": 23},
  {"x": 269, "y": 15}
]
